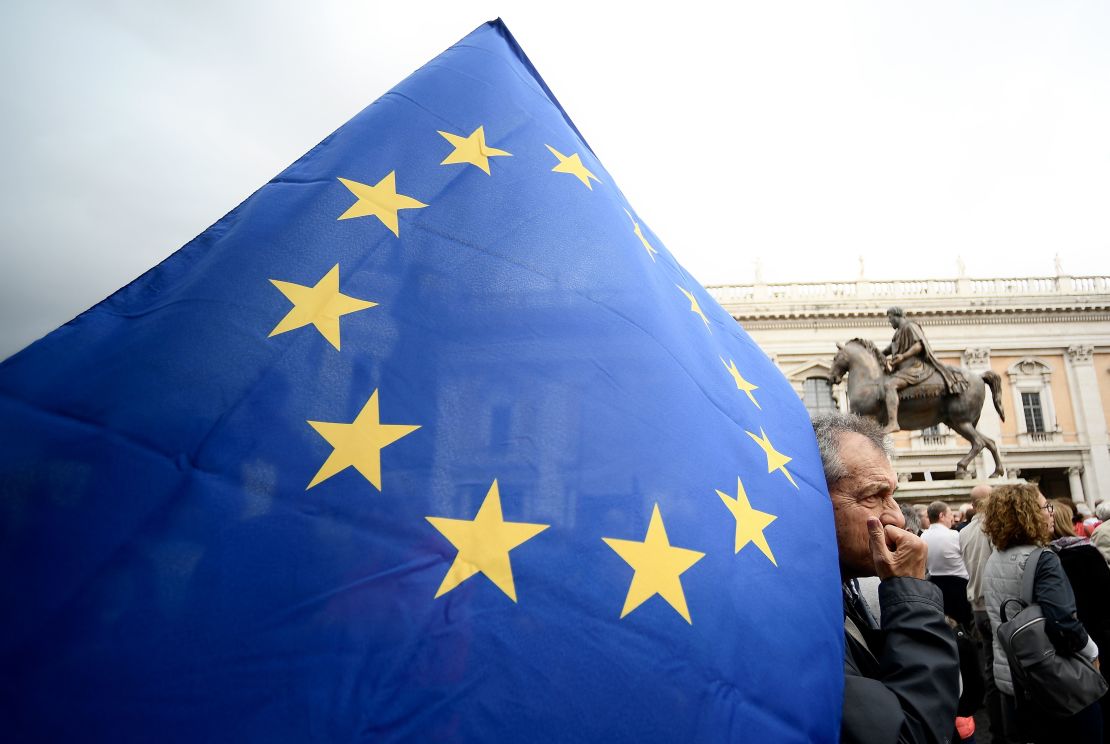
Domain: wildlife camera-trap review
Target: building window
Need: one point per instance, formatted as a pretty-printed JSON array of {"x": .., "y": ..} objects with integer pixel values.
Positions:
[
  {"x": 1030, "y": 381},
  {"x": 1034, "y": 418},
  {"x": 817, "y": 394}
]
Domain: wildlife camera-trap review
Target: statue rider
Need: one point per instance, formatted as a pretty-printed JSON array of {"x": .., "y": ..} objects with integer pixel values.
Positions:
[{"x": 910, "y": 362}]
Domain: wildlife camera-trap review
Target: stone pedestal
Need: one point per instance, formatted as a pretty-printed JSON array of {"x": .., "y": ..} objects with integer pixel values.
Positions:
[{"x": 951, "y": 491}]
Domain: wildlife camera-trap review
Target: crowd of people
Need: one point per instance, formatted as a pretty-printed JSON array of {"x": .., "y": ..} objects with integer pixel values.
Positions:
[{"x": 923, "y": 591}]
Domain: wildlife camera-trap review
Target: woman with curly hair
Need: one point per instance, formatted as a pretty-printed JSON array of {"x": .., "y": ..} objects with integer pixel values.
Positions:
[{"x": 1017, "y": 518}]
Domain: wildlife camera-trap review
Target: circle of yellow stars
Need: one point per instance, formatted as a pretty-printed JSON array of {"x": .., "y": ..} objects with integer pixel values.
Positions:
[{"x": 483, "y": 544}]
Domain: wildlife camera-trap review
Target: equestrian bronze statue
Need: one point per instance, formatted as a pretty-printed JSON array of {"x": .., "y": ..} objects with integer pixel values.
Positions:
[{"x": 912, "y": 390}]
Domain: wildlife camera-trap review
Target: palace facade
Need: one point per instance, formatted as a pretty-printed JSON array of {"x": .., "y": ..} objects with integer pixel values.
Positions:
[{"x": 1048, "y": 338}]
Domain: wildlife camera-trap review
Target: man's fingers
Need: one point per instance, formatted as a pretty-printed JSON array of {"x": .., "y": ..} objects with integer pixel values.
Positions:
[
  {"x": 896, "y": 536},
  {"x": 877, "y": 533},
  {"x": 906, "y": 551}
]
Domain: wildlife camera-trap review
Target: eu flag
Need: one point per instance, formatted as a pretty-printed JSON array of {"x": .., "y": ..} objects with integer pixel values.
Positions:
[{"x": 430, "y": 439}]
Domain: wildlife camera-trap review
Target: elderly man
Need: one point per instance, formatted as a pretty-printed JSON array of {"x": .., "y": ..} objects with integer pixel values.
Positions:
[{"x": 901, "y": 678}]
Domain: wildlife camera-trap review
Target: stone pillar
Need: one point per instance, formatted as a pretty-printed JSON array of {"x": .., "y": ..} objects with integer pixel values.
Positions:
[
  {"x": 1075, "y": 481},
  {"x": 1085, "y": 478},
  {"x": 977, "y": 361},
  {"x": 1089, "y": 415}
]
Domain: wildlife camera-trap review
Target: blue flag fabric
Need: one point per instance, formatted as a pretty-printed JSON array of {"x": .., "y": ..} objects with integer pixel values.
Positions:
[{"x": 429, "y": 439}]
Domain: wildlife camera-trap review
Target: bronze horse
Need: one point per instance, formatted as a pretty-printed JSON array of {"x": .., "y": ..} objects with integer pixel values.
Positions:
[{"x": 865, "y": 366}]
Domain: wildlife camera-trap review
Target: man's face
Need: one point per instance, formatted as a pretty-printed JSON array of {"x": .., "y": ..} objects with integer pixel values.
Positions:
[
  {"x": 895, "y": 321},
  {"x": 867, "y": 490},
  {"x": 947, "y": 518}
]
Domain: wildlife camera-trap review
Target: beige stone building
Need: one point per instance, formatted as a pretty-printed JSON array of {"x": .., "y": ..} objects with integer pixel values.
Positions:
[{"x": 1048, "y": 338}]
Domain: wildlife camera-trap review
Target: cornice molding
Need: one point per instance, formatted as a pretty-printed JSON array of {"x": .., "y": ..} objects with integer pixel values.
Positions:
[
  {"x": 816, "y": 319},
  {"x": 954, "y": 302}
]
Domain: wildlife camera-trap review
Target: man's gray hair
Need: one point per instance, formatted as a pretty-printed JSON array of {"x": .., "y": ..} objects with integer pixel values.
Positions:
[
  {"x": 830, "y": 426},
  {"x": 1102, "y": 510}
]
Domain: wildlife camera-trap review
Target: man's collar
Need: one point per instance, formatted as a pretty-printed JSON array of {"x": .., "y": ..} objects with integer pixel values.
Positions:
[{"x": 856, "y": 608}]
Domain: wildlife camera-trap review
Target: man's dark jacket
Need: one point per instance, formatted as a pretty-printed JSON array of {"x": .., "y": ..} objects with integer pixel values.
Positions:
[{"x": 904, "y": 686}]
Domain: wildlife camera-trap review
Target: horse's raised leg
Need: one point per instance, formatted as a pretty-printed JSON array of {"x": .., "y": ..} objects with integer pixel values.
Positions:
[{"x": 978, "y": 442}]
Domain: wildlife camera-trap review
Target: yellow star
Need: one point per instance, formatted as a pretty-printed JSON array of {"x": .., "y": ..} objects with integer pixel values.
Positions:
[
  {"x": 657, "y": 567},
  {"x": 380, "y": 200},
  {"x": 750, "y": 522},
  {"x": 321, "y": 305},
  {"x": 358, "y": 444},
  {"x": 484, "y": 544},
  {"x": 640, "y": 234},
  {"x": 775, "y": 459},
  {"x": 472, "y": 149},
  {"x": 741, "y": 383},
  {"x": 573, "y": 165},
  {"x": 694, "y": 306}
]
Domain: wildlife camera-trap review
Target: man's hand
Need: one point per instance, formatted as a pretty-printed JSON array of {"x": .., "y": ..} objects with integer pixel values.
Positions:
[{"x": 895, "y": 551}]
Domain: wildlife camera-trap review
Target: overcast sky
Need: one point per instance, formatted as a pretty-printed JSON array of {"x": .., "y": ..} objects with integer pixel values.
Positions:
[{"x": 804, "y": 134}]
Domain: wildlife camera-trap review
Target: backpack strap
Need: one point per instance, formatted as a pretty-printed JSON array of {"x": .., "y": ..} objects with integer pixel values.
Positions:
[{"x": 1029, "y": 576}]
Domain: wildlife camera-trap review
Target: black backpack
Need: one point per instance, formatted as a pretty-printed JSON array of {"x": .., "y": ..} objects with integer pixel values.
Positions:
[{"x": 1056, "y": 684}]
